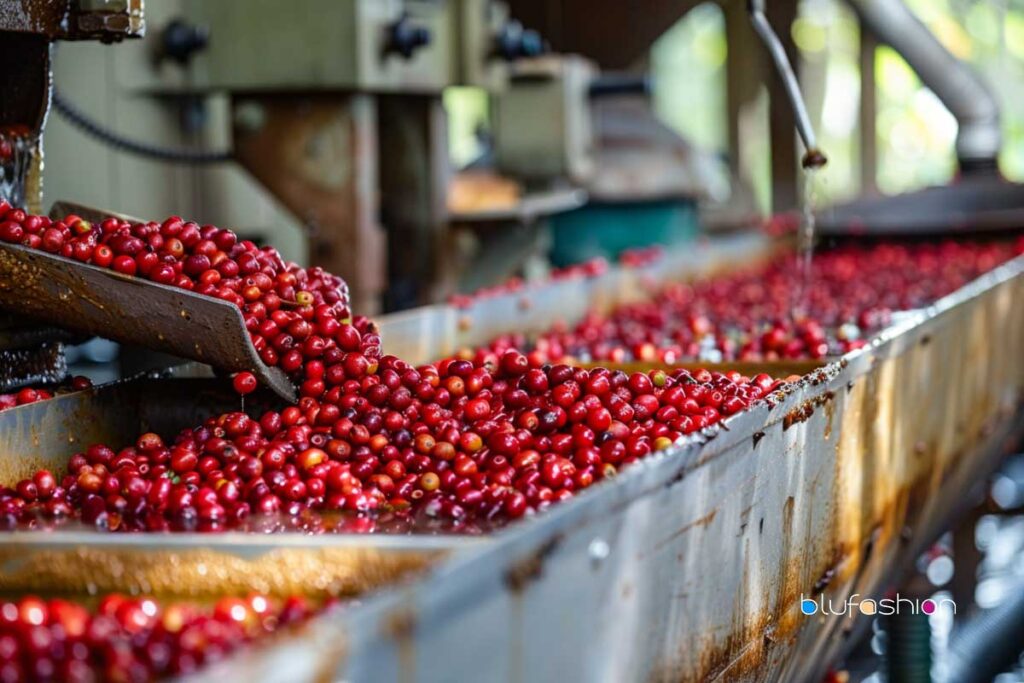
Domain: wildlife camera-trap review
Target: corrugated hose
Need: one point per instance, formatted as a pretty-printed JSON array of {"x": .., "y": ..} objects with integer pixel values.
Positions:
[{"x": 83, "y": 122}]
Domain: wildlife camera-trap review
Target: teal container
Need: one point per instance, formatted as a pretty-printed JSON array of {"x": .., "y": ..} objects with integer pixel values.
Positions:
[{"x": 607, "y": 229}]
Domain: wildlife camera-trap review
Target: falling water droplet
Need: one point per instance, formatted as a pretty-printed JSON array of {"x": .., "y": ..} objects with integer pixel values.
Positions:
[{"x": 805, "y": 245}]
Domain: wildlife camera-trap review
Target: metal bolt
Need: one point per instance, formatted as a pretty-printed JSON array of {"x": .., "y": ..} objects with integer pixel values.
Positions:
[
  {"x": 598, "y": 551},
  {"x": 250, "y": 116}
]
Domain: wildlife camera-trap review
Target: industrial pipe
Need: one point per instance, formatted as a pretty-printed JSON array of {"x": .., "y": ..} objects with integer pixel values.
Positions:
[
  {"x": 813, "y": 157},
  {"x": 987, "y": 644},
  {"x": 957, "y": 85}
]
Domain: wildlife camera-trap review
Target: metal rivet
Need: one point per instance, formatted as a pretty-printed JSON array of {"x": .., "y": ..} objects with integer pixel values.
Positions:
[
  {"x": 250, "y": 116},
  {"x": 598, "y": 551}
]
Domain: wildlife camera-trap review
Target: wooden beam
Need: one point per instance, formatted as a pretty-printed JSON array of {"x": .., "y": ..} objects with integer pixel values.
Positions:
[
  {"x": 414, "y": 175},
  {"x": 868, "y": 112}
]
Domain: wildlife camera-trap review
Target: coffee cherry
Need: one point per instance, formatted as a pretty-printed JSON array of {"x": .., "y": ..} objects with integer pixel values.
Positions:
[{"x": 244, "y": 383}]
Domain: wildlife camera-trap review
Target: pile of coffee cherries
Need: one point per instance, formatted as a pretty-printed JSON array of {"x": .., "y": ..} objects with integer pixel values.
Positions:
[
  {"x": 130, "y": 638},
  {"x": 454, "y": 440},
  {"x": 35, "y": 394},
  {"x": 298, "y": 318},
  {"x": 761, "y": 314},
  {"x": 489, "y": 439}
]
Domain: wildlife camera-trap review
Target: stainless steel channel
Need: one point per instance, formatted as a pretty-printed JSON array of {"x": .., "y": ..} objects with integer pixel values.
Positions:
[
  {"x": 430, "y": 333},
  {"x": 691, "y": 565}
]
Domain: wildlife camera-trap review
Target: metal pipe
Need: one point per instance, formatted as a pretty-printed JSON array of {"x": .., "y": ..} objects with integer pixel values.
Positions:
[
  {"x": 959, "y": 87},
  {"x": 909, "y": 656},
  {"x": 813, "y": 157},
  {"x": 987, "y": 644}
]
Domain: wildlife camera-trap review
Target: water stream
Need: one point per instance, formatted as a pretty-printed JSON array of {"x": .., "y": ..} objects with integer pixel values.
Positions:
[{"x": 805, "y": 244}]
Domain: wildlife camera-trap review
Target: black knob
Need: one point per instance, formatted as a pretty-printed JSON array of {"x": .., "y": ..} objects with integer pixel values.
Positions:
[
  {"x": 405, "y": 37},
  {"x": 513, "y": 42},
  {"x": 180, "y": 40},
  {"x": 532, "y": 44}
]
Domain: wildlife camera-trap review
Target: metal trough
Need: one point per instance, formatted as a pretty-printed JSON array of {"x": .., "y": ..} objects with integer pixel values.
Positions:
[
  {"x": 690, "y": 566},
  {"x": 430, "y": 333}
]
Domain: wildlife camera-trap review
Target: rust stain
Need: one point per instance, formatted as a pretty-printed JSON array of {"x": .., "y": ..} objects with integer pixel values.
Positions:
[
  {"x": 745, "y": 517},
  {"x": 530, "y": 568},
  {"x": 400, "y": 626},
  {"x": 805, "y": 410},
  {"x": 830, "y": 411},
  {"x": 753, "y": 639},
  {"x": 699, "y": 522},
  {"x": 331, "y": 658}
]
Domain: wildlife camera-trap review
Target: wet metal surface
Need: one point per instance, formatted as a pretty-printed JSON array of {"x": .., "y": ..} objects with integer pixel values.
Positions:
[
  {"x": 43, "y": 364},
  {"x": 27, "y": 29},
  {"x": 25, "y": 81}
]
